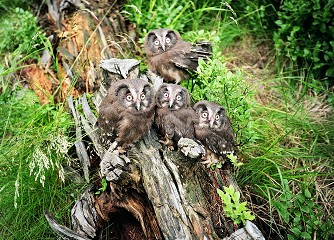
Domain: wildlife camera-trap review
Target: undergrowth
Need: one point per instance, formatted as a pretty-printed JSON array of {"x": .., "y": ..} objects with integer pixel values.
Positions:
[
  {"x": 287, "y": 151},
  {"x": 20, "y": 33},
  {"x": 34, "y": 148}
]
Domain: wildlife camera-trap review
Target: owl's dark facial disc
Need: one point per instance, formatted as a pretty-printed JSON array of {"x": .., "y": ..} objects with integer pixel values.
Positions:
[
  {"x": 178, "y": 101},
  {"x": 218, "y": 118},
  {"x": 163, "y": 97},
  {"x": 161, "y": 40},
  {"x": 172, "y": 96},
  {"x": 136, "y": 100},
  {"x": 204, "y": 116},
  {"x": 146, "y": 98}
]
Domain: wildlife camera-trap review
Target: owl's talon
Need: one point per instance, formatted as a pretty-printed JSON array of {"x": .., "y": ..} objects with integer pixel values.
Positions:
[
  {"x": 168, "y": 143},
  {"x": 171, "y": 148},
  {"x": 121, "y": 150}
]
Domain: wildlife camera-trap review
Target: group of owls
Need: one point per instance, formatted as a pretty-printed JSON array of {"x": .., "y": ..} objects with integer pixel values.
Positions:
[{"x": 132, "y": 106}]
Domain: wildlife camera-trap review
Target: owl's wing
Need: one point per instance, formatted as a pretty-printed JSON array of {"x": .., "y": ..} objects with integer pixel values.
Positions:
[
  {"x": 165, "y": 122},
  {"x": 107, "y": 122},
  {"x": 227, "y": 131},
  {"x": 184, "y": 126},
  {"x": 215, "y": 142},
  {"x": 188, "y": 59}
]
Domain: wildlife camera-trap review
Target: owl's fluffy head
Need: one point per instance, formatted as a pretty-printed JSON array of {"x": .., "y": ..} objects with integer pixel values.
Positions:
[
  {"x": 160, "y": 40},
  {"x": 210, "y": 114},
  {"x": 172, "y": 96},
  {"x": 135, "y": 95}
]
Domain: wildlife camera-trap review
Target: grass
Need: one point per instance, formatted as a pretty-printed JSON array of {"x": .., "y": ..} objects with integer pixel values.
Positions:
[
  {"x": 291, "y": 147},
  {"x": 33, "y": 149},
  {"x": 283, "y": 120}
]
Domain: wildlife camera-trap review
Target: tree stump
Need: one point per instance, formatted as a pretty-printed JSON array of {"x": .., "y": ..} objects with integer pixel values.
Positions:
[{"x": 150, "y": 191}]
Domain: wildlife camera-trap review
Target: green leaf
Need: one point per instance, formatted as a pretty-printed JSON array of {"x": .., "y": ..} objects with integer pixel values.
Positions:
[
  {"x": 300, "y": 198},
  {"x": 236, "y": 197},
  {"x": 220, "y": 193},
  {"x": 305, "y": 235},
  {"x": 296, "y": 28},
  {"x": 282, "y": 211},
  {"x": 296, "y": 231},
  {"x": 305, "y": 208},
  {"x": 307, "y": 193}
]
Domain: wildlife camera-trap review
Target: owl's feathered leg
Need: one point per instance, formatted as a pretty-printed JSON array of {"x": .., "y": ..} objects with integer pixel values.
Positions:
[
  {"x": 168, "y": 143},
  {"x": 122, "y": 149}
]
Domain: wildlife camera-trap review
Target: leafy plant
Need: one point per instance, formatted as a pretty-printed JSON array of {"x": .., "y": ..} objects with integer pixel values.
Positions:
[
  {"x": 301, "y": 214},
  {"x": 233, "y": 209},
  {"x": 103, "y": 188},
  {"x": 158, "y": 14},
  {"x": 180, "y": 15},
  {"x": 19, "y": 31},
  {"x": 305, "y": 34},
  {"x": 234, "y": 160}
]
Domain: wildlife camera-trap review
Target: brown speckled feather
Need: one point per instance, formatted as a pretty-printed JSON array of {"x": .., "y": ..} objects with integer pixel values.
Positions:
[
  {"x": 214, "y": 129},
  {"x": 174, "y": 116},
  {"x": 127, "y": 112},
  {"x": 171, "y": 57}
]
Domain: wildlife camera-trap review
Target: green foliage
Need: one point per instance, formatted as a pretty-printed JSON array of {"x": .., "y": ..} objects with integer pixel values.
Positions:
[
  {"x": 215, "y": 82},
  {"x": 19, "y": 32},
  {"x": 233, "y": 209},
  {"x": 258, "y": 16},
  {"x": 157, "y": 14},
  {"x": 305, "y": 34},
  {"x": 234, "y": 160},
  {"x": 34, "y": 146},
  {"x": 180, "y": 15},
  {"x": 8, "y": 5},
  {"x": 302, "y": 214},
  {"x": 103, "y": 188}
]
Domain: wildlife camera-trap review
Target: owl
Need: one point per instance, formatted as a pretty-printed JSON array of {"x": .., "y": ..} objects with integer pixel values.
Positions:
[
  {"x": 214, "y": 130},
  {"x": 171, "y": 57},
  {"x": 174, "y": 115},
  {"x": 127, "y": 112}
]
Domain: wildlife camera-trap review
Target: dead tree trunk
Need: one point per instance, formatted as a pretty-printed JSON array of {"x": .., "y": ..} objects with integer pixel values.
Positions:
[{"x": 151, "y": 192}]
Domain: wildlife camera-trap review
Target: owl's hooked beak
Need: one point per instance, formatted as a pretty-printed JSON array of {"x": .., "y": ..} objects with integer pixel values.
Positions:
[
  {"x": 212, "y": 121},
  {"x": 163, "y": 47},
  {"x": 171, "y": 103},
  {"x": 138, "y": 105}
]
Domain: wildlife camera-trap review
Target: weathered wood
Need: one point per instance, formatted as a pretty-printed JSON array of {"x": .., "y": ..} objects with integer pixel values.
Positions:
[
  {"x": 79, "y": 145},
  {"x": 151, "y": 192}
]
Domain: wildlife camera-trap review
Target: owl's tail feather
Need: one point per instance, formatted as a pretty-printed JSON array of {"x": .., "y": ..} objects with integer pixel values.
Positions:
[{"x": 202, "y": 50}]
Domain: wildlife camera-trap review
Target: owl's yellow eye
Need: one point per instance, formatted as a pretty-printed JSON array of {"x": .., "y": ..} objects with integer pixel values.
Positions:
[
  {"x": 156, "y": 42},
  {"x": 167, "y": 40},
  {"x": 142, "y": 96},
  {"x": 129, "y": 97},
  {"x": 178, "y": 97},
  {"x": 204, "y": 114},
  {"x": 166, "y": 94}
]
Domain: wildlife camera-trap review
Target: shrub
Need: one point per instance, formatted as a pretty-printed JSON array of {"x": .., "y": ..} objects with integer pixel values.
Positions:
[
  {"x": 302, "y": 215},
  {"x": 19, "y": 31},
  {"x": 180, "y": 15},
  {"x": 305, "y": 34}
]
